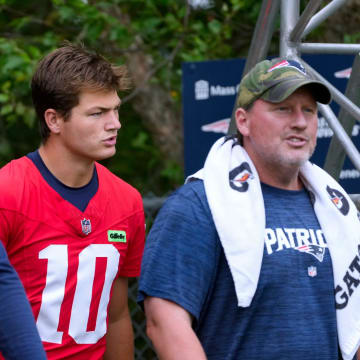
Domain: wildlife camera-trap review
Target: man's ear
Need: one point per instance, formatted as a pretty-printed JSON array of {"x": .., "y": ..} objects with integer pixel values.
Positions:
[
  {"x": 53, "y": 120},
  {"x": 242, "y": 121}
]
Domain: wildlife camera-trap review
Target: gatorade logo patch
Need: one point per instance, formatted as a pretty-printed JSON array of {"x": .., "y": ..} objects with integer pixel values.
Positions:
[
  {"x": 339, "y": 200},
  {"x": 117, "y": 236},
  {"x": 239, "y": 177}
]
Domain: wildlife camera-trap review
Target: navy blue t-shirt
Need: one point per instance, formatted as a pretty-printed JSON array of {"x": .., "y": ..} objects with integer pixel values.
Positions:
[
  {"x": 292, "y": 315},
  {"x": 19, "y": 338}
]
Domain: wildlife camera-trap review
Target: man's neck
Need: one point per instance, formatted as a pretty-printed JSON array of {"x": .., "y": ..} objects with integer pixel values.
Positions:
[
  {"x": 287, "y": 180},
  {"x": 70, "y": 170}
]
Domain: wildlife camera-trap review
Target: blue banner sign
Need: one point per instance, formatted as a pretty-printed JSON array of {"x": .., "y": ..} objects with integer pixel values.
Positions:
[{"x": 209, "y": 92}]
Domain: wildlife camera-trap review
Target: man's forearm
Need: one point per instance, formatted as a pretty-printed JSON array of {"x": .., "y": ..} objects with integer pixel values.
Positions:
[
  {"x": 169, "y": 328},
  {"x": 176, "y": 343},
  {"x": 120, "y": 340}
]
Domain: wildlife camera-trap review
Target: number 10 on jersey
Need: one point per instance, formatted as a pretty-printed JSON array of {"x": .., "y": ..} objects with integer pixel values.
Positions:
[{"x": 54, "y": 292}]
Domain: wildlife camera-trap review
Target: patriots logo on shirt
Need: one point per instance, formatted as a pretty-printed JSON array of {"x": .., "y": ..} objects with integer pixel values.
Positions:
[
  {"x": 86, "y": 226},
  {"x": 314, "y": 250},
  {"x": 339, "y": 200},
  {"x": 239, "y": 176},
  {"x": 288, "y": 63}
]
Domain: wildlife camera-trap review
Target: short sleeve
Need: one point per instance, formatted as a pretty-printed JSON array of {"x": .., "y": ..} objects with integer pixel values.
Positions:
[
  {"x": 19, "y": 338},
  {"x": 3, "y": 228},
  {"x": 11, "y": 189},
  {"x": 132, "y": 263},
  {"x": 180, "y": 252}
]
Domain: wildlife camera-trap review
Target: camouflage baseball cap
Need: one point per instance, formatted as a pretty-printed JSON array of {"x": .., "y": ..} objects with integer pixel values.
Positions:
[{"x": 276, "y": 80}]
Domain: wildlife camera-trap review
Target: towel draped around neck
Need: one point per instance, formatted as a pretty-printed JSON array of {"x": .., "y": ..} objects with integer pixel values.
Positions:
[{"x": 232, "y": 187}]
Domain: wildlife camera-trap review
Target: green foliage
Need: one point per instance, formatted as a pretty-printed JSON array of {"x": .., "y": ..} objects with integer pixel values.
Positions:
[
  {"x": 171, "y": 33},
  {"x": 352, "y": 38}
]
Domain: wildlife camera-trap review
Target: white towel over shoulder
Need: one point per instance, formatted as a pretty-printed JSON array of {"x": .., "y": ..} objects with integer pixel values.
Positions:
[{"x": 234, "y": 195}]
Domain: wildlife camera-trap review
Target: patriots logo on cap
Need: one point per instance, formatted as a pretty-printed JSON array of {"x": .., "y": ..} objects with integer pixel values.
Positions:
[
  {"x": 314, "y": 250},
  {"x": 288, "y": 63}
]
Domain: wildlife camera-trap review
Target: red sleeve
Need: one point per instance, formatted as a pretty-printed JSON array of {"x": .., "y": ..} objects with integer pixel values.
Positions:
[
  {"x": 9, "y": 199},
  {"x": 132, "y": 263},
  {"x": 4, "y": 226}
]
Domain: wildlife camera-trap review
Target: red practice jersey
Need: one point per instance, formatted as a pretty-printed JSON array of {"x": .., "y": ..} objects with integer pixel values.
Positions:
[{"x": 68, "y": 259}]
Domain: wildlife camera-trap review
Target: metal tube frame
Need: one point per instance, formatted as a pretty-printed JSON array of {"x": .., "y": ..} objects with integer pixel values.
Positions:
[
  {"x": 304, "y": 19},
  {"x": 322, "y": 15},
  {"x": 260, "y": 41},
  {"x": 320, "y": 48},
  {"x": 341, "y": 134},
  {"x": 290, "y": 10},
  {"x": 336, "y": 155}
]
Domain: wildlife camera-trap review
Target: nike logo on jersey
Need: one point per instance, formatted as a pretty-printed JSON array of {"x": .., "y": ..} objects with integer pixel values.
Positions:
[
  {"x": 309, "y": 241},
  {"x": 117, "y": 236}
]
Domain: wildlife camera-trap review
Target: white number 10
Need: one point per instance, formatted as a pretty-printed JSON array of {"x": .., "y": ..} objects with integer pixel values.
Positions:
[{"x": 54, "y": 291}]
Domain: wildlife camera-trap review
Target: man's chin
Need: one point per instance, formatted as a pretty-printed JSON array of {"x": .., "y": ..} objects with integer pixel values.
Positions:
[
  {"x": 105, "y": 155},
  {"x": 299, "y": 158},
  {"x": 298, "y": 162}
]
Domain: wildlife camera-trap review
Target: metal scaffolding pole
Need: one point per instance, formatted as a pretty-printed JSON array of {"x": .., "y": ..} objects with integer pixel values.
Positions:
[
  {"x": 319, "y": 48},
  {"x": 263, "y": 33},
  {"x": 289, "y": 17},
  {"x": 341, "y": 134},
  {"x": 260, "y": 42},
  {"x": 304, "y": 19},
  {"x": 336, "y": 155},
  {"x": 338, "y": 96},
  {"x": 323, "y": 14}
]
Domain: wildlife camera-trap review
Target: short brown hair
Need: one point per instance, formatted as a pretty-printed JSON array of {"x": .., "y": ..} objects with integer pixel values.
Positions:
[{"x": 64, "y": 73}]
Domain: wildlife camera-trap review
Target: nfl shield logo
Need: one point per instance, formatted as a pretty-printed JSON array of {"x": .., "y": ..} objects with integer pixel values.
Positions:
[
  {"x": 86, "y": 226},
  {"x": 312, "y": 271}
]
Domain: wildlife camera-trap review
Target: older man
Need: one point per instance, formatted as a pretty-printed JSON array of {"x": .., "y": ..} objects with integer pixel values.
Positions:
[{"x": 242, "y": 262}]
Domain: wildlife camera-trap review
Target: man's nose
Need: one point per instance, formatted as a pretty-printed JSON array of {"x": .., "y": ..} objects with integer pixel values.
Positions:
[
  {"x": 300, "y": 120},
  {"x": 112, "y": 121}
]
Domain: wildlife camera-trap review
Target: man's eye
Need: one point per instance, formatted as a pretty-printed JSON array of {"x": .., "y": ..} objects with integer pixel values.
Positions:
[{"x": 95, "y": 114}]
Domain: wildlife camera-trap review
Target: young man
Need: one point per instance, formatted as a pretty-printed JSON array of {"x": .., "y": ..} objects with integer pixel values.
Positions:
[
  {"x": 19, "y": 339},
  {"x": 238, "y": 266},
  {"x": 74, "y": 231}
]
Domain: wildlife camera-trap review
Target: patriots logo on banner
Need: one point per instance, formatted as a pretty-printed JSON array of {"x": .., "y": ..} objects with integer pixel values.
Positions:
[
  {"x": 86, "y": 226},
  {"x": 219, "y": 126},
  {"x": 238, "y": 177},
  {"x": 314, "y": 250},
  {"x": 339, "y": 200},
  {"x": 288, "y": 63}
]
